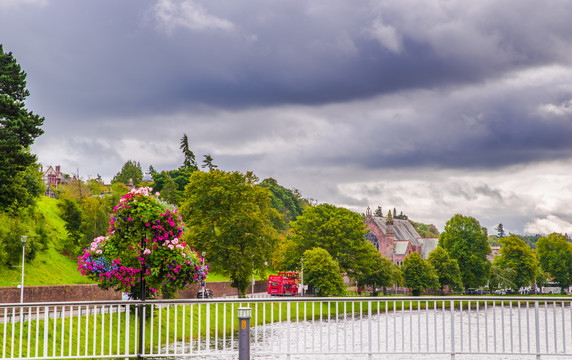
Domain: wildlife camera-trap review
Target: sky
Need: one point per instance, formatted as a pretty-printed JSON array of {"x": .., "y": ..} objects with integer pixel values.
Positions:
[{"x": 432, "y": 107}]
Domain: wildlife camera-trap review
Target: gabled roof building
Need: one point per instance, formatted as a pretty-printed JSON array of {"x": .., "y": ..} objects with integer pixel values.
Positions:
[{"x": 397, "y": 238}]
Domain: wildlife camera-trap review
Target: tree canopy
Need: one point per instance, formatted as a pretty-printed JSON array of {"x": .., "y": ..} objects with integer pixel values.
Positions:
[
  {"x": 322, "y": 273},
  {"x": 288, "y": 204},
  {"x": 555, "y": 256},
  {"x": 131, "y": 171},
  {"x": 465, "y": 240},
  {"x": 419, "y": 274},
  {"x": 376, "y": 270},
  {"x": 18, "y": 130},
  {"x": 339, "y": 231},
  {"x": 447, "y": 269},
  {"x": 516, "y": 255},
  {"x": 228, "y": 215}
]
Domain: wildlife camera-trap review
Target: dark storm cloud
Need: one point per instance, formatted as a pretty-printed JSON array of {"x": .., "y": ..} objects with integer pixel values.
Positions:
[
  {"x": 397, "y": 101},
  {"x": 261, "y": 53}
]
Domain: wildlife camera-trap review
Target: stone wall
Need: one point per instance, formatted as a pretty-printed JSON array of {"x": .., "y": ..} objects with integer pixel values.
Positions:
[{"x": 91, "y": 292}]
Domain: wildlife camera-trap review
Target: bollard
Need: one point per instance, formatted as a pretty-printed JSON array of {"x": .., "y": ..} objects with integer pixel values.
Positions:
[{"x": 244, "y": 333}]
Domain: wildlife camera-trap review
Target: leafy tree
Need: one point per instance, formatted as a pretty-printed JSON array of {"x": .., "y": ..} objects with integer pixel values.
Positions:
[
  {"x": 389, "y": 219},
  {"x": 377, "y": 271},
  {"x": 131, "y": 170},
  {"x": 18, "y": 130},
  {"x": 208, "y": 162},
  {"x": 378, "y": 211},
  {"x": 339, "y": 231},
  {"x": 11, "y": 231},
  {"x": 419, "y": 274},
  {"x": 447, "y": 269},
  {"x": 95, "y": 219},
  {"x": 96, "y": 186},
  {"x": 71, "y": 213},
  {"x": 229, "y": 216},
  {"x": 555, "y": 256},
  {"x": 170, "y": 192},
  {"x": 322, "y": 273},
  {"x": 501, "y": 277},
  {"x": 465, "y": 240},
  {"x": 285, "y": 201},
  {"x": 516, "y": 255},
  {"x": 190, "y": 161}
]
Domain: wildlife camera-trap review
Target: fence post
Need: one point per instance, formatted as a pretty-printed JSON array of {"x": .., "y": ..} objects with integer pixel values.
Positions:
[
  {"x": 244, "y": 333},
  {"x": 452, "y": 310},
  {"x": 537, "y": 329}
]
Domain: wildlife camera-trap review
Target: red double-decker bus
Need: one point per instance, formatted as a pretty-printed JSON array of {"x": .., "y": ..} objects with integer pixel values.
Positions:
[{"x": 283, "y": 284}]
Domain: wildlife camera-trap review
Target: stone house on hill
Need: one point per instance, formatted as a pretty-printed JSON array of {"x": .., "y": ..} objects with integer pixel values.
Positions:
[{"x": 395, "y": 241}]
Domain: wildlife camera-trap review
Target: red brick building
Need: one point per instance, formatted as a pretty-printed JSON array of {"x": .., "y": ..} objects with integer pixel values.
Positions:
[
  {"x": 397, "y": 238},
  {"x": 52, "y": 178}
]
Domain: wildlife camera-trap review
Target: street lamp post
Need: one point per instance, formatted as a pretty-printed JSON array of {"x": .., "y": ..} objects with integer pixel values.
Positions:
[
  {"x": 24, "y": 238},
  {"x": 302, "y": 276}
]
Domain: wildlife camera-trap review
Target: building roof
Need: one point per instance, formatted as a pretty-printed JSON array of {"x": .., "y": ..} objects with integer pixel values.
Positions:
[
  {"x": 402, "y": 229},
  {"x": 400, "y": 247},
  {"x": 428, "y": 245}
]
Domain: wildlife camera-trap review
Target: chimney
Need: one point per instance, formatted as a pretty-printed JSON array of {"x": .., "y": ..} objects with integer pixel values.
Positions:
[{"x": 57, "y": 169}]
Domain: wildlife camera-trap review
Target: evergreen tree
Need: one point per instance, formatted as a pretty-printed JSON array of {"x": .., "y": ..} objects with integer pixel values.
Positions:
[
  {"x": 208, "y": 162},
  {"x": 131, "y": 171},
  {"x": 190, "y": 161},
  {"x": 500, "y": 230},
  {"x": 18, "y": 130},
  {"x": 378, "y": 211},
  {"x": 389, "y": 220}
]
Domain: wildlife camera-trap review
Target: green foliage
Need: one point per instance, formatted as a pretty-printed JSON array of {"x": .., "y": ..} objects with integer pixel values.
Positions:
[
  {"x": 71, "y": 213},
  {"x": 516, "y": 255},
  {"x": 339, "y": 231},
  {"x": 322, "y": 273},
  {"x": 171, "y": 184},
  {"x": 208, "y": 162},
  {"x": 555, "y": 256},
  {"x": 500, "y": 230},
  {"x": 45, "y": 264},
  {"x": 419, "y": 274},
  {"x": 229, "y": 217},
  {"x": 447, "y": 269},
  {"x": 190, "y": 161},
  {"x": 501, "y": 277},
  {"x": 171, "y": 192},
  {"x": 376, "y": 270},
  {"x": 285, "y": 201},
  {"x": 466, "y": 241},
  {"x": 131, "y": 171},
  {"x": 424, "y": 230},
  {"x": 18, "y": 130}
]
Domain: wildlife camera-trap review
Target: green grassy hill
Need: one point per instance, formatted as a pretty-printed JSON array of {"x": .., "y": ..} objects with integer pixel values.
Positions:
[{"x": 50, "y": 267}]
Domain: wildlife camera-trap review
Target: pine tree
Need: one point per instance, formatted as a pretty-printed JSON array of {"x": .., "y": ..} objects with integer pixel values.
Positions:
[
  {"x": 190, "y": 161},
  {"x": 18, "y": 130}
]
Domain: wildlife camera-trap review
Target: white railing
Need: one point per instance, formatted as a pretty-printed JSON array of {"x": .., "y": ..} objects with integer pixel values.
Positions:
[{"x": 291, "y": 327}]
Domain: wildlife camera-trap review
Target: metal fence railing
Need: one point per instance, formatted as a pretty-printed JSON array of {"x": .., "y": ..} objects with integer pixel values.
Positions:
[{"x": 291, "y": 327}]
